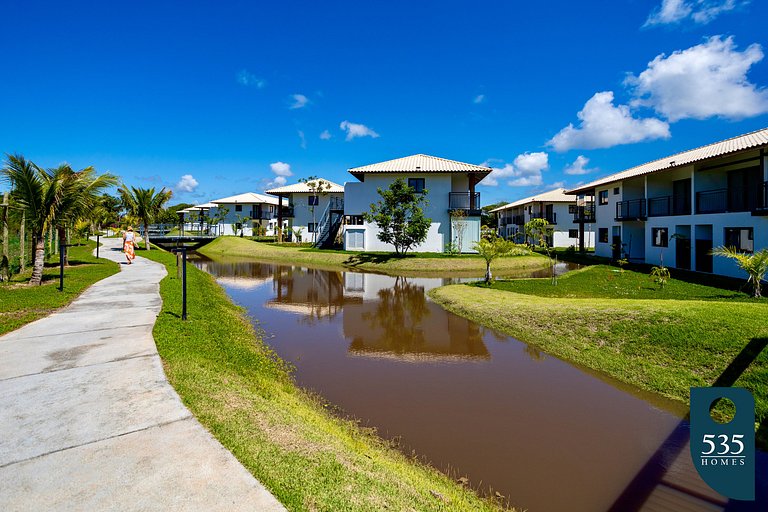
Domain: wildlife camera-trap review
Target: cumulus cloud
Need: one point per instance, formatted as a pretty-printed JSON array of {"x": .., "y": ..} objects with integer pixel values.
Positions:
[
  {"x": 187, "y": 183},
  {"x": 579, "y": 166},
  {"x": 299, "y": 101},
  {"x": 480, "y": 98},
  {"x": 357, "y": 130},
  {"x": 706, "y": 80},
  {"x": 603, "y": 125},
  {"x": 325, "y": 135},
  {"x": 524, "y": 171},
  {"x": 281, "y": 169},
  {"x": 248, "y": 79},
  {"x": 700, "y": 11}
]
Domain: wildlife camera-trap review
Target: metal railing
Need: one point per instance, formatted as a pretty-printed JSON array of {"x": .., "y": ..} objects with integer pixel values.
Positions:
[
  {"x": 732, "y": 199},
  {"x": 463, "y": 201},
  {"x": 551, "y": 217},
  {"x": 659, "y": 206},
  {"x": 518, "y": 220},
  {"x": 336, "y": 203},
  {"x": 631, "y": 209},
  {"x": 288, "y": 211},
  {"x": 585, "y": 213}
]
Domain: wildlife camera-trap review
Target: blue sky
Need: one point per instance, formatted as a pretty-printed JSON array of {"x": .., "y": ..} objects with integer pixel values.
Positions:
[{"x": 217, "y": 98}]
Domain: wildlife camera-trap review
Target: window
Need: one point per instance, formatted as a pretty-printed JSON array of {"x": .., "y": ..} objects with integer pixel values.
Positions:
[
  {"x": 660, "y": 237},
  {"x": 572, "y": 208},
  {"x": 238, "y": 207},
  {"x": 616, "y": 191},
  {"x": 311, "y": 227},
  {"x": 602, "y": 197},
  {"x": 741, "y": 238},
  {"x": 417, "y": 184},
  {"x": 354, "y": 220},
  {"x": 313, "y": 200},
  {"x": 602, "y": 235},
  {"x": 573, "y": 233}
]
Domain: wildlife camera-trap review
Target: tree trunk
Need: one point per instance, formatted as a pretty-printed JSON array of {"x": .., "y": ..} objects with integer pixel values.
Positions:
[
  {"x": 488, "y": 275},
  {"x": 37, "y": 268},
  {"x": 146, "y": 235},
  {"x": 758, "y": 289},
  {"x": 63, "y": 244}
]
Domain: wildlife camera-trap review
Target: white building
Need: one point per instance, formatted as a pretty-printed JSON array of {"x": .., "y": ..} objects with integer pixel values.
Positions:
[
  {"x": 450, "y": 186},
  {"x": 318, "y": 215},
  {"x": 249, "y": 213},
  {"x": 559, "y": 209},
  {"x": 679, "y": 207}
]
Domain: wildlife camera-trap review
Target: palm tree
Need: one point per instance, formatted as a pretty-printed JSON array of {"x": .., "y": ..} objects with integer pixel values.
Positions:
[
  {"x": 144, "y": 204},
  {"x": 38, "y": 192},
  {"x": 755, "y": 265}
]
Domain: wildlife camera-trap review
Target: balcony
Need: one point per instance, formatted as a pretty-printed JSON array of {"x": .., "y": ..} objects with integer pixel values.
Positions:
[
  {"x": 734, "y": 199},
  {"x": 551, "y": 218},
  {"x": 585, "y": 214},
  {"x": 669, "y": 205},
  {"x": 518, "y": 220},
  {"x": 336, "y": 203},
  {"x": 288, "y": 212},
  {"x": 762, "y": 204},
  {"x": 464, "y": 201},
  {"x": 633, "y": 209}
]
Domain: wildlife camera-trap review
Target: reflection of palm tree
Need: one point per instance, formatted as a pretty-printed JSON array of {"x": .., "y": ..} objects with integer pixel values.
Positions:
[
  {"x": 534, "y": 353},
  {"x": 399, "y": 314}
]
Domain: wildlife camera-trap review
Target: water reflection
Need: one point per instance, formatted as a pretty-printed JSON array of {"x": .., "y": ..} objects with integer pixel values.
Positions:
[{"x": 313, "y": 293}]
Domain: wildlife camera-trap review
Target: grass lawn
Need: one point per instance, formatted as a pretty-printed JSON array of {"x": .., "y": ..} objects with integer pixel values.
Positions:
[
  {"x": 664, "y": 341},
  {"x": 307, "y": 457},
  {"x": 21, "y": 304},
  {"x": 386, "y": 263}
]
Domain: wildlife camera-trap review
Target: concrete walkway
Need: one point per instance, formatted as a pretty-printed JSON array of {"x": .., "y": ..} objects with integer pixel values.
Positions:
[{"x": 88, "y": 420}]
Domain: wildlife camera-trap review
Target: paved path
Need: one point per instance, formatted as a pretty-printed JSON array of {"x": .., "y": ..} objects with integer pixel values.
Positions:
[{"x": 88, "y": 420}]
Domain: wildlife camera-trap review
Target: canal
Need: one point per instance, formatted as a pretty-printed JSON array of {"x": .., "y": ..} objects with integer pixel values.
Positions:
[{"x": 472, "y": 402}]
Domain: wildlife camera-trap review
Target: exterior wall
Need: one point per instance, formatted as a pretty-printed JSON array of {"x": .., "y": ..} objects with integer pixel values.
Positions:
[
  {"x": 360, "y": 196},
  {"x": 564, "y": 223},
  {"x": 303, "y": 212},
  {"x": 225, "y": 226},
  {"x": 605, "y": 217}
]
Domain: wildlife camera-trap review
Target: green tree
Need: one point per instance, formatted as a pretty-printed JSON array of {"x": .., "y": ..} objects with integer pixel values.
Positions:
[
  {"x": 755, "y": 265},
  {"x": 490, "y": 249},
  {"x": 144, "y": 204},
  {"x": 487, "y": 218},
  {"x": 400, "y": 216}
]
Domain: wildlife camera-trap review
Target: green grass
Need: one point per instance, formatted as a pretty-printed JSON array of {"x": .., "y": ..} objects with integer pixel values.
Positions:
[
  {"x": 21, "y": 304},
  {"x": 663, "y": 341},
  {"x": 380, "y": 262},
  {"x": 307, "y": 457}
]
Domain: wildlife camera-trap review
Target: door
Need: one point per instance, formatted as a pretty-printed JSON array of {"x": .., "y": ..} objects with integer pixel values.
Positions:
[
  {"x": 681, "y": 197},
  {"x": 616, "y": 243},
  {"x": 703, "y": 257},
  {"x": 683, "y": 253}
]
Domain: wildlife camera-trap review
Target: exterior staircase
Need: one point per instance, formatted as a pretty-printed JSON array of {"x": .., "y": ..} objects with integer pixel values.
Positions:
[{"x": 330, "y": 223}]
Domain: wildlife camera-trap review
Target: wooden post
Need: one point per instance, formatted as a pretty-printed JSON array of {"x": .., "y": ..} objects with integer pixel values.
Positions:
[
  {"x": 279, "y": 219},
  {"x": 22, "y": 243}
]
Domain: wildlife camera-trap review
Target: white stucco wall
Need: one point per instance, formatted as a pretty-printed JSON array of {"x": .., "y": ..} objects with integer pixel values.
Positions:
[{"x": 303, "y": 212}]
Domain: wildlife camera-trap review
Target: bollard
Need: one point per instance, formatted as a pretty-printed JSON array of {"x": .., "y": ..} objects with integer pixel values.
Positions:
[
  {"x": 62, "y": 248},
  {"x": 97, "y": 245}
]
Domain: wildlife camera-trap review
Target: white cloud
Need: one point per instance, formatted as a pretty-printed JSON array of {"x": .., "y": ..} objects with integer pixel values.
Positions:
[
  {"x": 325, "y": 135},
  {"x": 706, "y": 80},
  {"x": 303, "y": 139},
  {"x": 357, "y": 130},
  {"x": 248, "y": 79},
  {"x": 480, "y": 98},
  {"x": 604, "y": 125},
  {"x": 187, "y": 183},
  {"x": 279, "y": 181},
  {"x": 700, "y": 11},
  {"x": 281, "y": 169},
  {"x": 524, "y": 171},
  {"x": 579, "y": 166},
  {"x": 299, "y": 101}
]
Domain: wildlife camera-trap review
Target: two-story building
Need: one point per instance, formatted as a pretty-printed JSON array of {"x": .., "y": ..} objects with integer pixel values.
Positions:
[
  {"x": 315, "y": 210},
  {"x": 246, "y": 214},
  {"x": 450, "y": 187},
  {"x": 676, "y": 209},
  {"x": 558, "y": 208}
]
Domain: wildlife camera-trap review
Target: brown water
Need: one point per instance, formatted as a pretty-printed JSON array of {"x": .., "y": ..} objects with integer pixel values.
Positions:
[{"x": 547, "y": 434}]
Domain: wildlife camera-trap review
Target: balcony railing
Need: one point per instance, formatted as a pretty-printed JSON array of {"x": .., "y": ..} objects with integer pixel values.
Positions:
[
  {"x": 585, "y": 213},
  {"x": 633, "y": 209},
  {"x": 659, "y": 206},
  {"x": 733, "y": 199},
  {"x": 518, "y": 220},
  {"x": 288, "y": 212},
  {"x": 551, "y": 218},
  {"x": 336, "y": 203},
  {"x": 463, "y": 201}
]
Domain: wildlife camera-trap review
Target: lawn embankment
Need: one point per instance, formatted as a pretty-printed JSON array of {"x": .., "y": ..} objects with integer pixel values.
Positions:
[
  {"x": 21, "y": 303},
  {"x": 661, "y": 340},
  {"x": 385, "y": 263},
  {"x": 307, "y": 457}
]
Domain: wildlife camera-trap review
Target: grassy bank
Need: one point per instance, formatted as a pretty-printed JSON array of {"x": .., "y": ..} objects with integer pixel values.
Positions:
[
  {"x": 308, "y": 458},
  {"x": 386, "y": 263},
  {"x": 664, "y": 341},
  {"x": 22, "y": 304}
]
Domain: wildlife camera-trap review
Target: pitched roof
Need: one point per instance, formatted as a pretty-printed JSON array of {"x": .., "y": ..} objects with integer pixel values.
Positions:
[
  {"x": 247, "y": 198},
  {"x": 722, "y": 148},
  {"x": 303, "y": 188},
  {"x": 420, "y": 163},
  {"x": 198, "y": 207},
  {"x": 557, "y": 195}
]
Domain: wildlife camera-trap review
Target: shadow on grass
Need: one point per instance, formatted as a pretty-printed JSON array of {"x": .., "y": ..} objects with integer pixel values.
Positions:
[
  {"x": 650, "y": 476},
  {"x": 362, "y": 258}
]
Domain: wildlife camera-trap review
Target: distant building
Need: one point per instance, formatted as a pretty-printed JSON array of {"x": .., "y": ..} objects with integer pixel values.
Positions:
[
  {"x": 252, "y": 213},
  {"x": 450, "y": 185},
  {"x": 679, "y": 207},
  {"x": 559, "y": 210},
  {"x": 318, "y": 215}
]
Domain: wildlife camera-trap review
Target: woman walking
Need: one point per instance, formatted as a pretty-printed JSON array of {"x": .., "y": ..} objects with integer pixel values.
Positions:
[{"x": 129, "y": 244}]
